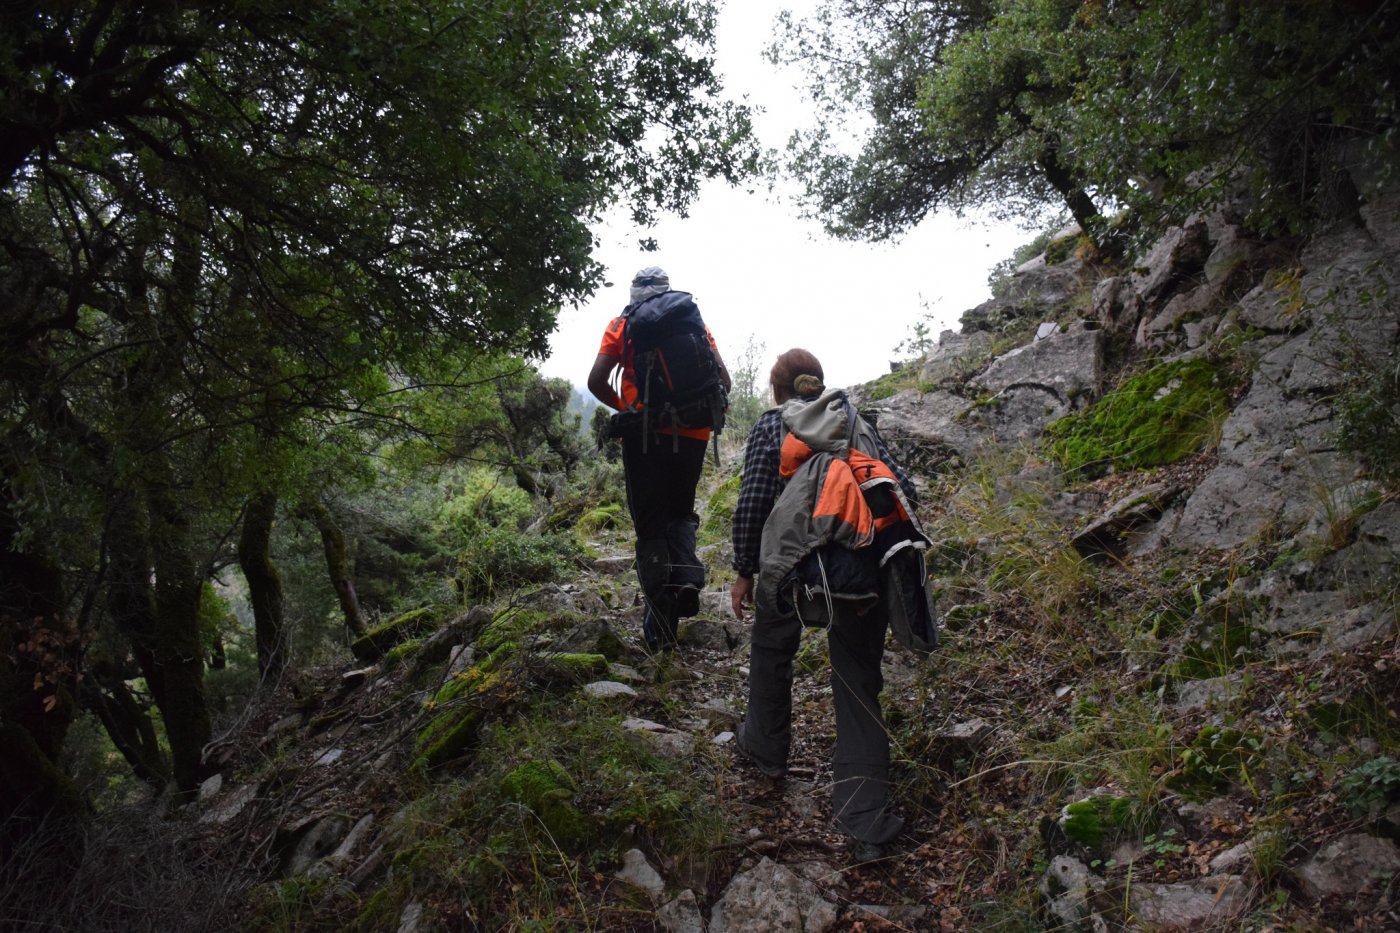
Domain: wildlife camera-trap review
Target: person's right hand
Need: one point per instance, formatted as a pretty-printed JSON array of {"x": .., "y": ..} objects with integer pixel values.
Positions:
[{"x": 739, "y": 594}]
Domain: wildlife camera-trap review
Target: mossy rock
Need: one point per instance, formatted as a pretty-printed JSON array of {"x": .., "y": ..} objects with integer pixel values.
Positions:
[
  {"x": 547, "y": 790},
  {"x": 1092, "y": 821},
  {"x": 512, "y": 624},
  {"x": 475, "y": 678},
  {"x": 461, "y": 706},
  {"x": 570, "y": 668},
  {"x": 1153, "y": 419},
  {"x": 378, "y": 641},
  {"x": 610, "y": 645},
  {"x": 396, "y": 655},
  {"x": 449, "y": 737}
]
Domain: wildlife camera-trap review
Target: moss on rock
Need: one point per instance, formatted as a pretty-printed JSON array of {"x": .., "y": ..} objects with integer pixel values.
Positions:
[
  {"x": 1152, "y": 419},
  {"x": 547, "y": 790},
  {"x": 460, "y": 707},
  {"x": 511, "y": 624},
  {"x": 378, "y": 641},
  {"x": 571, "y": 668}
]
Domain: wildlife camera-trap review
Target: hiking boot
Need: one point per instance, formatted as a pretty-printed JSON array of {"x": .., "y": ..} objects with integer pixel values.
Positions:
[
  {"x": 687, "y": 601},
  {"x": 656, "y": 636},
  {"x": 775, "y": 772},
  {"x": 869, "y": 851}
]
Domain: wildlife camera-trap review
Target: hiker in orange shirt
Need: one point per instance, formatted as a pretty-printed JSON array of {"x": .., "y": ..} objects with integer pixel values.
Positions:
[{"x": 662, "y": 453}]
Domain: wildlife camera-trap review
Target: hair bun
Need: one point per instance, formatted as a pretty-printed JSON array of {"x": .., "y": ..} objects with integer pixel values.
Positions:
[{"x": 807, "y": 384}]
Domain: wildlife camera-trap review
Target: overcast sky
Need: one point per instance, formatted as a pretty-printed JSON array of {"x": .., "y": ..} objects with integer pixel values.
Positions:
[{"x": 758, "y": 271}]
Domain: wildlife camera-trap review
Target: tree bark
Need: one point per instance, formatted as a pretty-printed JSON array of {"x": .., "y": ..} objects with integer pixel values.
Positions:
[
  {"x": 179, "y": 645},
  {"x": 128, "y": 725},
  {"x": 130, "y": 598},
  {"x": 36, "y": 686},
  {"x": 338, "y": 566},
  {"x": 264, "y": 585},
  {"x": 1081, "y": 205}
]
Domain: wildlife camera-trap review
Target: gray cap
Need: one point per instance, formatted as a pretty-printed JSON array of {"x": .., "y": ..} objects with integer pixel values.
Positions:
[{"x": 649, "y": 282}]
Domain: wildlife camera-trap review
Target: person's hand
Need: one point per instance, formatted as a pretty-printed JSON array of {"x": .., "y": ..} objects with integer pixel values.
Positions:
[{"x": 739, "y": 594}]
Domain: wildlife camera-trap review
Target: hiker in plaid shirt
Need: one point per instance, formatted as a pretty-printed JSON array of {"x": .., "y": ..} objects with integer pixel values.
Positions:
[{"x": 860, "y": 792}]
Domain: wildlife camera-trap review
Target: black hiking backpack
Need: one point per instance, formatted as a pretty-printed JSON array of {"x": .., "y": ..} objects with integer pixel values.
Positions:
[{"x": 677, "y": 371}]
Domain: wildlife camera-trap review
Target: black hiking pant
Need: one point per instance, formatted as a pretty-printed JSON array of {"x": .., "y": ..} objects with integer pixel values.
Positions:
[
  {"x": 662, "y": 472},
  {"x": 861, "y": 762}
]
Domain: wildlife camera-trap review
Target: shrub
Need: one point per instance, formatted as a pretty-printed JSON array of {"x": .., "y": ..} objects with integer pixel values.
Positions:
[
  {"x": 502, "y": 559},
  {"x": 1368, "y": 419},
  {"x": 487, "y": 502}
]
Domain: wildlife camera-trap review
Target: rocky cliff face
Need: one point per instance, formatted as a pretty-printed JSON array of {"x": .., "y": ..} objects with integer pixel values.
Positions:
[{"x": 1299, "y": 328}]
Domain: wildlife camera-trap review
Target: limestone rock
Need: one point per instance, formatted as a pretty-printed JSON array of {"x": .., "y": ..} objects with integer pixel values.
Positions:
[
  {"x": 769, "y": 898},
  {"x": 1069, "y": 886},
  {"x": 682, "y": 915},
  {"x": 1349, "y": 865},
  {"x": 1195, "y": 905},
  {"x": 608, "y": 689},
  {"x": 637, "y": 871}
]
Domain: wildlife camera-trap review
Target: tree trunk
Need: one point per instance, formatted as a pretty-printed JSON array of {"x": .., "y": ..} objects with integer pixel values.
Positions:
[
  {"x": 130, "y": 599},
  {"x": 264, "y": 585},
  {"x": 179, "y": 645},
  {"x": 36, "y": 684},
  {"x": 338, "y": 566},
  {"x": 1081, "y": 206},
  {"x": 128, "y": 725}
]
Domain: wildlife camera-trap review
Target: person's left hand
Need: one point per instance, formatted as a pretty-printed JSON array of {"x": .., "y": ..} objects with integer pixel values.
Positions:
[{"x": 741, "y": 592}]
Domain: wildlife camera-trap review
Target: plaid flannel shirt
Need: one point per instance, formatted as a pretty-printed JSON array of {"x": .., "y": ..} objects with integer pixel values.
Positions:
[{"x": 762, "y": 484}]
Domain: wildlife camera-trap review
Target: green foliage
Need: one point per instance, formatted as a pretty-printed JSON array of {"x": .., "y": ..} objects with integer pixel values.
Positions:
[
  {"x": 1372, "y": 786},
  {"x": 290, "y": 905},
  {"x": 892, "y": 383},
  {"x": 547, "y": 790},
  {"x": 555, "y": 794},
  {"x": 920, "y": 339},
  {"x": 287, "y": 238},
  {"x": 719, "y": 510},
  {"x": 1368, "y": 417},
  {"x": 750, "y": 395},
  {"x": 1033, "y": 106},
  {"x": 594, "y": 498},
  {"x": 1152, "y": 419},
  {"x": 500, "y": 560},
  {"x": 1215, "y": 760},
  {"x": 486, "y": 503},
  {"x": 1030, "y": 562},
  {"x": 1221, "y": 639}
]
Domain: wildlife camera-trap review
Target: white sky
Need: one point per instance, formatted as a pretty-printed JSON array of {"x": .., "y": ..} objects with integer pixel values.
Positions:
[{"x": 759, "y": 271}]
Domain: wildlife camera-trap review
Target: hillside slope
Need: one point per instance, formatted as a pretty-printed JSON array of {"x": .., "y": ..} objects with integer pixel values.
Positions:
[{"x": 1166, "y": 698}]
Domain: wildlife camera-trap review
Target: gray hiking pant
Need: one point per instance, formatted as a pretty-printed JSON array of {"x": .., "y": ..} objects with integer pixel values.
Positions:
[{"x": 861, "y": 764}]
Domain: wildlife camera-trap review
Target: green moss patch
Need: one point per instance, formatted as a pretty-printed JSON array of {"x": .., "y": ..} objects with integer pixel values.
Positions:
[
  {"x": 460, "y": 710},
  {"x": 570, "y": 668},
  {"x": 546, "y": 790},
  {"x": 511, "y": 625},
  {"x": 1089, "y": 822},
  {"x": 374, "y": 644},
  {"x": 1153, "y": 419}
]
